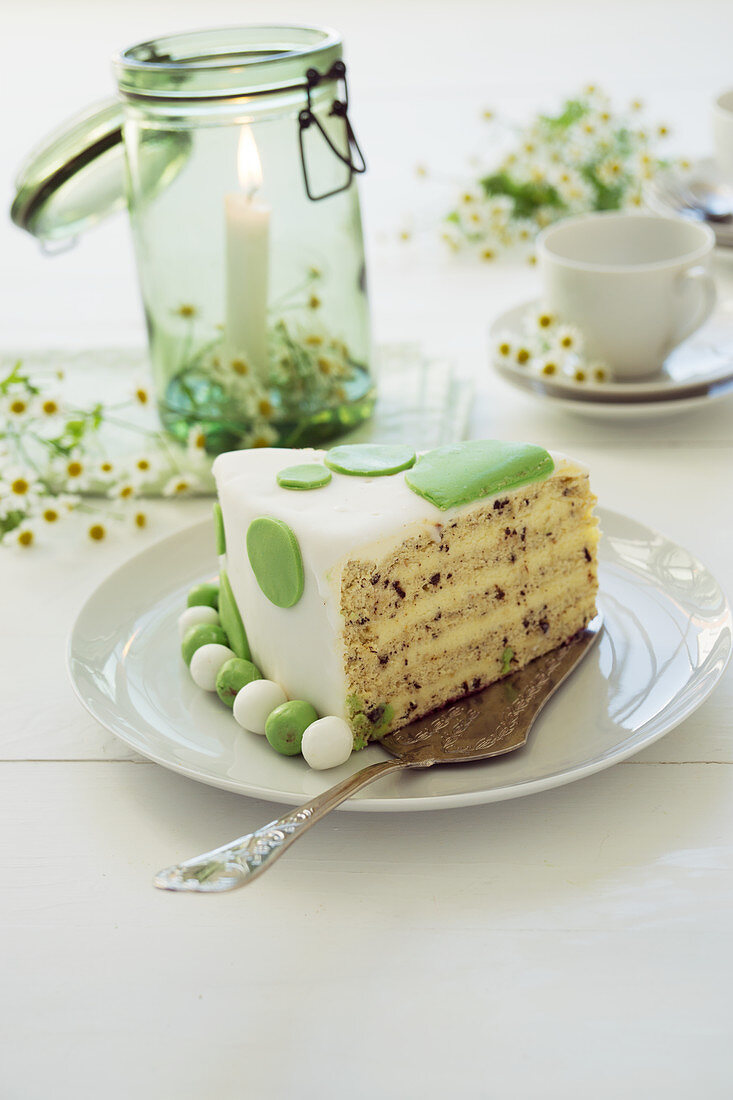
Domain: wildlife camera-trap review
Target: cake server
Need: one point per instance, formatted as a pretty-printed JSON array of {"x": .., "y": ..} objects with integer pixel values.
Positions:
[{"x": 490, "y": 723}]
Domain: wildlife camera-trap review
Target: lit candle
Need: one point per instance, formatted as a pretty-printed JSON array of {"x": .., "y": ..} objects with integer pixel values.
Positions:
[{"x": 247, "y": 258}]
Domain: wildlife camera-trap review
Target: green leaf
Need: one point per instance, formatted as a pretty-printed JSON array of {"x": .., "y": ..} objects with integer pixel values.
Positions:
[{"x": 573, "y": 110}]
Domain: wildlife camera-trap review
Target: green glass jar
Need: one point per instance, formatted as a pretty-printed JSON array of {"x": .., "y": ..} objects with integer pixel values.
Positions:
[{"x": 240, "y": 165}]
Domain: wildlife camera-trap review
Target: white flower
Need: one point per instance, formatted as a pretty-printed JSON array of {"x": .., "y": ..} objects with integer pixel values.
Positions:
[
  {"x": 74, "y": 470},
  {"x": 19, "y": 487},
  {"x": 104, "y": 470},
  {"x": 540, "y": 319},
  {"x": 143, "y": 467},
  {"x": 24, "y": 535},
  {"x": 504, "y": 348},
  {"x": 262, "y": 436},
  {"x": 611, "y": 171},
  {"x": 17, "y": 406},
  {"x": 567, "y": 339},
  {"x": 548, "y": 364},
  {"x": 122, "y": 490},
  {"x": 196, "y": 441},
  {"x": 181, "y": 485},
  {"x": 598, "y": 371}
]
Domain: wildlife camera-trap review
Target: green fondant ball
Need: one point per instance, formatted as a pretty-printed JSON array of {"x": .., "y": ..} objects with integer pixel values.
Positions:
[
  {"x": 286, "y": 725},
  {"x": 204, "y": 595},
  {"x": 232, "y": 676},
  {"x": 204, "y": 634}
]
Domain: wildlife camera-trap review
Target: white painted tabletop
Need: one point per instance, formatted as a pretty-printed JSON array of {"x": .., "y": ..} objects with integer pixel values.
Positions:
[{"x": 573, "y": 944}]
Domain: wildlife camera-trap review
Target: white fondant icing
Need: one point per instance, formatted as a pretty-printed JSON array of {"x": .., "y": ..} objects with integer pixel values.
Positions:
[
  {"x": 206, "y": 662},
  {"x": 197, "y": 616},
  {"x": 255, "y": 702},
  {"x": 301, "y": 647},
  {"x": 327, "y": 743}
]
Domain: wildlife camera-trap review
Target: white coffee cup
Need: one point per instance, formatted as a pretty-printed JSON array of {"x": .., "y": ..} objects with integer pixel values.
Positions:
[
  {"x": 636, "y": 285},
  {"x": 722, "y": 114}
]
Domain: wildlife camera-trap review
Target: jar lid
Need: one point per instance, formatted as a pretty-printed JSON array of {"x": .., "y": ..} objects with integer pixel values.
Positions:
[
  {"x": 225, "y": 62},
  {"x": 76, "y": 176}
]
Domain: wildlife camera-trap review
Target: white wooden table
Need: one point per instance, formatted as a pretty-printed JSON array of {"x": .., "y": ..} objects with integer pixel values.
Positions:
[{"x": 572, "y": 944}]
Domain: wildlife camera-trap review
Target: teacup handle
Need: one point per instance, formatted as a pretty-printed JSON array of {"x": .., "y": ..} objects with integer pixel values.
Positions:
[{"x": 702, "y": 283}]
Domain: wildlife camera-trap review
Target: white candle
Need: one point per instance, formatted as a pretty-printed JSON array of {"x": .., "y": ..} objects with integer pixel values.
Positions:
[{"x": 247, "y": 260}]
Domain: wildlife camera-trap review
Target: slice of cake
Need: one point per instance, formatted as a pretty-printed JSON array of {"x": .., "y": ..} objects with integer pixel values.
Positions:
[{"x": 378, "y": 585}]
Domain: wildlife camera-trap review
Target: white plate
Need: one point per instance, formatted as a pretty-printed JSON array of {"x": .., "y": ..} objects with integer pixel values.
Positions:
[
  {"x": 697, "y": 372},
  {"x": 666, "y": 641}
]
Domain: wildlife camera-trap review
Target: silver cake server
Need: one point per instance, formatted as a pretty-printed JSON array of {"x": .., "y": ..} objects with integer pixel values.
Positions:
[{"x": 492, "y": 722}]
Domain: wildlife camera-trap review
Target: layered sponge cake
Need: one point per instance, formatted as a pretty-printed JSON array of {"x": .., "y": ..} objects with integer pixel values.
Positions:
[{"x": 380, "y": 585}]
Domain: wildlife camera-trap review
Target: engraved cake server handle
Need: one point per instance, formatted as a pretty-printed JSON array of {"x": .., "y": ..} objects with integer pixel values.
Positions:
[
  {"x": 492, "y": 722},
  {"x": 243, "y": 859}
]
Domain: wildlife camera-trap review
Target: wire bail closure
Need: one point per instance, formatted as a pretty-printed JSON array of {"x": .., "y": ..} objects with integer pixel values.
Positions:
[{"x": 353, "y": 158}]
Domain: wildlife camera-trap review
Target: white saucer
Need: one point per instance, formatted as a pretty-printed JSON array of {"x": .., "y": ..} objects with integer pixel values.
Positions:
[
  {"x": 697, "y": 372},
  {"x": 666, "y": 641},
  {"x": 701, "y": 193}
]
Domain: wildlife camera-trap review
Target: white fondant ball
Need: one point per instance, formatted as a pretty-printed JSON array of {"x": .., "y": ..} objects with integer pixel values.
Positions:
[
  {"x": 197, "y": 616},
  {"x": 327, "y": 743},
  {"x": 255, "y": 702},
  {"x": 206, "y": 662}
]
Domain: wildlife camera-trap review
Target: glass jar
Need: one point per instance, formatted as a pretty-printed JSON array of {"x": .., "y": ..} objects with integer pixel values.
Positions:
[{"x": 239, "y": 164}]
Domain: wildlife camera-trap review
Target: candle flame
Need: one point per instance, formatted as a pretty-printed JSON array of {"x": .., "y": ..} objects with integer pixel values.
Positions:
[{"x": 249, "y": 166}]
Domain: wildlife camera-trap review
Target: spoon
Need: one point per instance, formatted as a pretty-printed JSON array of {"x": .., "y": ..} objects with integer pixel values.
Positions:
[
  {"x": 492, "y": 722},
  {"x": 698, "y": 199}
]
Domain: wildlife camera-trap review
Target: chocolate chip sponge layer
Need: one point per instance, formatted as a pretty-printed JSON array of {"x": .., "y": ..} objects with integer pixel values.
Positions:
[{"x": 467, "y": 601}]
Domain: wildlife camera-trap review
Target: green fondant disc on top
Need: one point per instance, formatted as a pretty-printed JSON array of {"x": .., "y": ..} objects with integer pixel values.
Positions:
[
  {"x": 221, "y": 542},
  {"x": 370, "y": 459},
  {"x": 463, "y": 472},
  {"x": 308, "y": 476},
  {"x": 274, "y": 555},
  {"x": 231, "y": 620}
]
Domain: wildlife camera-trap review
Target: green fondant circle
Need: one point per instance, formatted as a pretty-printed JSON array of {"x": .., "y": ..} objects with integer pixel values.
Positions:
[
  {"x": 463, "y": 472},
  {"x": 274, "y": 555},
  {"x": 231, "y": 620},
  {"x": 310, "y": 475},
  {"x": 221, "y": 542},
  {"x": 370, "y": 459}
]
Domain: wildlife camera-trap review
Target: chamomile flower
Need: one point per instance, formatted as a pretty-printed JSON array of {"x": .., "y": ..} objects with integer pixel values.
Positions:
[
  {"x": 611, "y": 171},
  {"x": 568, "y": 339},
  {"x": 540, "y": 319},
  {"x": 104, "y": 470},
  {"x": 20, "y": 487},
  {"x": 141, "y": 392},
  {"x": 262, "y": 436},
  {"x": 143, "y": 467},
  {"x": 598, "y": 372},
  {"x": 548, "y": 365},
  {"x": 196, "y": 441},
  {"x": 17, "y": 406},
  {"x": 123, "y": 490},
  {"x": 97, "y": 532},
  {"x": 181, "y": 485},
  {"x": 522, "y": 355},
  {"x": 504, "y": 348},
  {"x": 24, "y": 536},
  {"x": 74, "y": 470}
]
